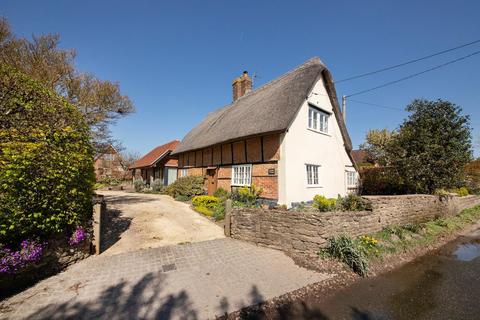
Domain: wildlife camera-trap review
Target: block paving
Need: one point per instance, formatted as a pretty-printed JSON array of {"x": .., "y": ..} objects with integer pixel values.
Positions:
[{"x": 191, "y": 281}]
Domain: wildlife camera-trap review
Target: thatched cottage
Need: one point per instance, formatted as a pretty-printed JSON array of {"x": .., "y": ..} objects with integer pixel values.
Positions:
[{"x": 287, "y": 137}]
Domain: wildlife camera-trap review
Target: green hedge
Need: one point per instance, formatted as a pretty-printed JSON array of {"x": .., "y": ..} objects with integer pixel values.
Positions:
[
  {"x": 185, "y": 188},
  {"x": 46, "y": 173}
]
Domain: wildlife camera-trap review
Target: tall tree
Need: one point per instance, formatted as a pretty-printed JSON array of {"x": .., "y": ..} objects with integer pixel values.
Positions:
[
  {"x": 433, "y": 146},
  {"x": 376, "y": 145},
  {"x": 100, "y": 101}
]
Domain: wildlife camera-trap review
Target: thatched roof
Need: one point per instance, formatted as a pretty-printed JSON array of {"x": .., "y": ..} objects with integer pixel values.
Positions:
[{"x": 268, "y": 109}]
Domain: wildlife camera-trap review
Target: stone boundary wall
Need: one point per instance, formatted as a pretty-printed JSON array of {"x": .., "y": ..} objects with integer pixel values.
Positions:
[{"x": 307, "y": 231}]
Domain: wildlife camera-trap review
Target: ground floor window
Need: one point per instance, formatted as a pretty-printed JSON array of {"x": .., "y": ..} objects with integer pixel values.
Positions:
[
  {"x": 182, "y": 173},
  {"x": 312, "y": 175},
  {"x": 242, "y": 175},
  {"x": 351, "y": 178}
]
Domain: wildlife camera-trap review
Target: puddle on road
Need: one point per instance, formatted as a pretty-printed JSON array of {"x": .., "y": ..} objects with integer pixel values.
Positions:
[{"x": 468, "y": 251}]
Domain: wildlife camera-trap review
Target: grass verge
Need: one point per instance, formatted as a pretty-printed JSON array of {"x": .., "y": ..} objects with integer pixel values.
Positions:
[{"x": 357, "y": 252}]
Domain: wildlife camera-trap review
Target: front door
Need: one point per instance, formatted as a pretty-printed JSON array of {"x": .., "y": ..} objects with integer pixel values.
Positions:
[{"x": 211, "y": 181}]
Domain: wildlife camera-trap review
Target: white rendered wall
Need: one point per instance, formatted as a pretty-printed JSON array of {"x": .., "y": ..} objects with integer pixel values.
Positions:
[{"x": 301, "y": 146}]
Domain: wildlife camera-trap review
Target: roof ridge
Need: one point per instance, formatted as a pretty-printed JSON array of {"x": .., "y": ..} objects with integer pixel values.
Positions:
[{"x": 314, "y": 59}]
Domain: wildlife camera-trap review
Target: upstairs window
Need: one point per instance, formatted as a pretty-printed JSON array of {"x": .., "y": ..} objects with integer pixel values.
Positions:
[
  {"x": 312, "y": 175},
  {"x": 242, "y": 175},
  {"x": 108, "y": 156},
  {"x": 351, "y": 179},
  {"x": 318, "y": 120}
]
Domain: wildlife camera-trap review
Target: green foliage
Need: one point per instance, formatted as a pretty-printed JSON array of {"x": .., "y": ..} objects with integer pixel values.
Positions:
[
  {"x": 138, "y": 184},
  {"x": 432, "y": 147},
  {"x": 353, "y": 202},
  {"x": 349, "y": 252},
  {"x": 376, "y": 145},
  {"x": 110, "y": 181},
  {"x": 46, "y": 176},
  {"x": 323, "y": 204},
  {"x": 157, "y": 185},
  {"x": 205, "y": 201},
  {"x": 462, "y": 192},
  {"x": 246, "y": 197},
  {"x": 219, "y": 212},
  {"x": 185, "y": 188},
  {"x": 100, "y": 101},
  {"x": 381, "y": 181},
  {"x": 429, "y": 151},
  {"x": 204, "y": 210},
  {"x": 222, "y": 194},
  {"x": 472, "y": 172}
]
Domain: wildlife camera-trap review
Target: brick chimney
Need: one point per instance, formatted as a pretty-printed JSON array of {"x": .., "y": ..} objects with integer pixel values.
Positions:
[{"x": 241, "y": 85}]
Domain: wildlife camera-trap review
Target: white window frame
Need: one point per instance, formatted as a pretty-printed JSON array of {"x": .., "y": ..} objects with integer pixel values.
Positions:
[
  {"x": 242, "y": 175},
  {"x": 348, "y": 178},
  {"x": 182, "y": 173},
  {"x": 318, "y": 120},
  {"x": 109, "y": 156},
  {"x": 313, "y": 174}
]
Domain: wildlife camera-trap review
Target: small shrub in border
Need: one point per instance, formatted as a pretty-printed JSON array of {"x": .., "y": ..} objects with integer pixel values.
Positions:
[
  {"x": 348, "y": 251},
  {"x": 323, "y": 204},
  {"x": 205, "y": 201},
  {"x": 138, "y": 184},
  {"x": 185, "y": 188}
]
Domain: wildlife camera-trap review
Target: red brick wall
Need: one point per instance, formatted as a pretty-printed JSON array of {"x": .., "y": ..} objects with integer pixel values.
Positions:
[{"x": 221, "y": 156}]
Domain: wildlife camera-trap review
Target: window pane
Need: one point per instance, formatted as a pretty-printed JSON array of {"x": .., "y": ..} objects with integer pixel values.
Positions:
[
  {"x": 310, "y": 111},
  {"x": 315, "y": 119},
  {"x": 315, "y": 175}
]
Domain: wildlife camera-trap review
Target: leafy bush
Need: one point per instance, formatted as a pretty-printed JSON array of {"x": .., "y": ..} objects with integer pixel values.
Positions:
[
  {"x": 348, "y": 251},
  {"x": 110, "y": 181},
  {"x": 221, "y": 194},
  {"x": 246, "y": 197},
  {"x": 353, "y": 202},
  {"x": 219, "y": 212},
  {"x": 185, "y": 188},
  {"x": 138, "y": 184},
  {"x": 204, "y": 210},
  {"x": 381, "y": 181},
  {"x": 461, "y": 192},
  {"x": 323, "y": 204},
  {"x": 46, "y": 179},
  {"x": 205, "y": 201},
  {"x": 157, "y": 185}
]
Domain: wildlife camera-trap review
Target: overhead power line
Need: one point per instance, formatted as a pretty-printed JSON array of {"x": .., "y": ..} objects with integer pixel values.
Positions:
[
  {"x": 376, "y": 105},
  {"x": 407, "y": 62},
  {"x": 413, "y": 75}
]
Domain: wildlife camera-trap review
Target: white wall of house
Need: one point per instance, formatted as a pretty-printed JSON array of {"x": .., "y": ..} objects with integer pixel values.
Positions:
[{"x": 301, "y": 146}]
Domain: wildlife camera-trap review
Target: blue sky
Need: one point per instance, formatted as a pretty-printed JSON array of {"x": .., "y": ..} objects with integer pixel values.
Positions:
[{"x": 176, "y": 59}]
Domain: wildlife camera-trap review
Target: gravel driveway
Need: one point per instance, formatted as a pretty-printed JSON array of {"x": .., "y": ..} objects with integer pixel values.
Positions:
[{"x": 141, "y": 221}]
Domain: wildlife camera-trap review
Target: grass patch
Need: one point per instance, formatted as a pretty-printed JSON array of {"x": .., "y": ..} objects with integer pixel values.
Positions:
[{"x": 357, "y": 252}]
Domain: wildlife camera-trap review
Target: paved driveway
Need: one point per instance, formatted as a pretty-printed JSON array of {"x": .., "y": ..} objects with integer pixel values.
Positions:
[
  {"x": 193, "y": 281},
  {"x": 142, "y": 221}
]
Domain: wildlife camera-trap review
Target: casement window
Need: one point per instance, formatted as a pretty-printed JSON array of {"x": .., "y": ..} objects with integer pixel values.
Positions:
[
  {"x": 312, "y": 175},
  {"x": 351, "y": 177},
  {"x": 318, "y": 120},
  {"x": 182, "y": 173},
  {"x": 242, "y": 175}
]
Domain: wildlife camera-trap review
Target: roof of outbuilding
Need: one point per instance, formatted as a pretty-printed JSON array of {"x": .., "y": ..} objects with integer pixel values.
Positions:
[
  {"x": 270, "y": 108},
  {"x": 155, "y": 155}
]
